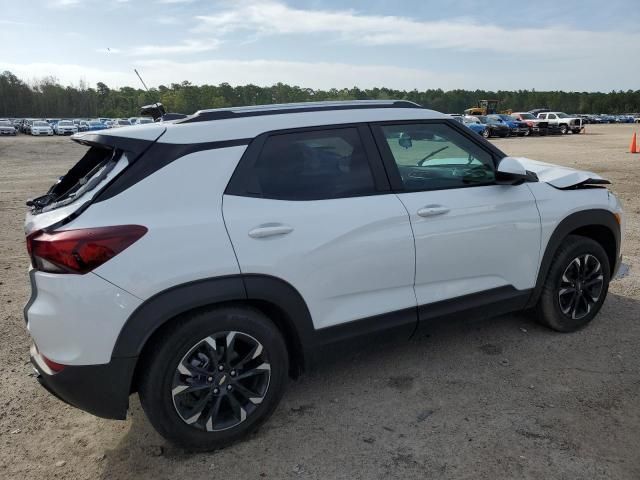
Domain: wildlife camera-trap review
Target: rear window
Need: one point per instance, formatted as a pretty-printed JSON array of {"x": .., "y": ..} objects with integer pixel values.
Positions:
[
  {"x": 313, "y": 165},
  {"x": 92, "y": 170}
]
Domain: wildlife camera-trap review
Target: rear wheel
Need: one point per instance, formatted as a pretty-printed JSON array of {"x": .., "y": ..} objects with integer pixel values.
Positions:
[
  {"x": 486, "y": 133},
  {"x": 564, "y": 129},
  {"x": 576, "y": 285},
  {"x": 214, "y": 377}
]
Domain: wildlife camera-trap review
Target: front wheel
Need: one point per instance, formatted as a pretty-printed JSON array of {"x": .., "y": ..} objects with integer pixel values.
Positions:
[
  {"x": 486, "y": 133},
  {"x": 576, "y": 285},
  {"x": 214, "y": 377},
  {"x": 564, "y": 129}
]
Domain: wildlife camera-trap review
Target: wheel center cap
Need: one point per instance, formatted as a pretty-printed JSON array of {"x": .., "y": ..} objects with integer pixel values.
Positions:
[{"x": 222, "y": 379}]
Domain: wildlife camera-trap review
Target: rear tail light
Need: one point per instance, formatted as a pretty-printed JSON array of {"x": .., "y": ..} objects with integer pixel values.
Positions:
[
  {"x": 55, "y": 367},
  {"x": 80, "y": 251}
]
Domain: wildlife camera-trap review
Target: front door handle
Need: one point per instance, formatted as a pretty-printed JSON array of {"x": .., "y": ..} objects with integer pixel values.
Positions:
[
  {"x": 432, "y": 210},
  {"x": 270, "y": 230}
]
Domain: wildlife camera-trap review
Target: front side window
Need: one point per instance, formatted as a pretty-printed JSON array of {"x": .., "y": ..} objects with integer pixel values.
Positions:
[
  {"x": 312, "y": 165},
  {"x": 436, "y": 156}
]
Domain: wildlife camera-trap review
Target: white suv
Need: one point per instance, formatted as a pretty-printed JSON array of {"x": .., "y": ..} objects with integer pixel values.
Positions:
[{"x": 201, "y": 262}]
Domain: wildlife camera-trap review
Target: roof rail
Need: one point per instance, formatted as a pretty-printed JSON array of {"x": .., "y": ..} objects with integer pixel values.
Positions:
[{"x": 283, "y": 108}]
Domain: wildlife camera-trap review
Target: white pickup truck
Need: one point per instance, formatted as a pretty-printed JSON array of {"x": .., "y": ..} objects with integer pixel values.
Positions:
[{"x": 563, "y": 121}]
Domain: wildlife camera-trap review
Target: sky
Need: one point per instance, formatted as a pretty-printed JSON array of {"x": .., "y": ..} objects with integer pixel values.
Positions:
[{"x": 572, "y": 45}]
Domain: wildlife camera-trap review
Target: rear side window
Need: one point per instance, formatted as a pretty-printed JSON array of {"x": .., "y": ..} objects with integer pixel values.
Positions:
[{"x": 312, "y": 165}]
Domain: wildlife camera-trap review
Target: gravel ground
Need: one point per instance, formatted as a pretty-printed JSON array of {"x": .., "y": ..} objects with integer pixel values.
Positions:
[{"x": 503, "y": 398}]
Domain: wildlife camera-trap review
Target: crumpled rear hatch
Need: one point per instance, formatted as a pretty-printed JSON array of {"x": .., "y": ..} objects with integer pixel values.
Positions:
[{"x": 107, "y": 157}]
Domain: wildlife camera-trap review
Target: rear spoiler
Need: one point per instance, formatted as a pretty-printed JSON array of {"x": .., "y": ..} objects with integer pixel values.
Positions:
[{"x": 132, "y": 145}]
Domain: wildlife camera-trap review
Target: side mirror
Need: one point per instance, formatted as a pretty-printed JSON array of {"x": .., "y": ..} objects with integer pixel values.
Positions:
[{"x": 511, "y": 172}]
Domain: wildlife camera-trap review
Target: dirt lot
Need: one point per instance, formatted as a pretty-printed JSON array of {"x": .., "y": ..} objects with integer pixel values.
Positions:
[{"x": 504, "y": 398}]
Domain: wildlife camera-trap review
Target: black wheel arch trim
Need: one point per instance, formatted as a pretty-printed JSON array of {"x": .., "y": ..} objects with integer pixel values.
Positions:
[{"x": 571, "y": 223}]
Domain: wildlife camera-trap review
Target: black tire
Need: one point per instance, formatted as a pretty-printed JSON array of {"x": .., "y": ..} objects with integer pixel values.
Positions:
[
  {"x": 486, "y": 133},
  {"x": 551, "y": 309},
  {"x": 527, "y": 133},
  {"x": 564, "y": 129},
  {"x": 183, "y": 344}
]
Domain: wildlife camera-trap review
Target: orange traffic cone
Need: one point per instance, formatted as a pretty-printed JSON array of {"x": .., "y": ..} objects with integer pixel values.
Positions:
[{"x": 633, "y": 148}]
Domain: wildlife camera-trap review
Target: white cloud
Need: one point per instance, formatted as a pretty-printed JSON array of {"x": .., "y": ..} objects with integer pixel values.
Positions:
[
  {"x": 274, "y": 18},
  {"x": 186, "y": 47}
]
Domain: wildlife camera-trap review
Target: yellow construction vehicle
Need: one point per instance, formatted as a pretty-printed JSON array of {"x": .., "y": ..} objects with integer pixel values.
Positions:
[{"x": 484, "y": 107}]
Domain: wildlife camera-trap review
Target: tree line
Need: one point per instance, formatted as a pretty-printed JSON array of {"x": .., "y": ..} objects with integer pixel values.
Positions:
[{"x": 46, "y": 97}]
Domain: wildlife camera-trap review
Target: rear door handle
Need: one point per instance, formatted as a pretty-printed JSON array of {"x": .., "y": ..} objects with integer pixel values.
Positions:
[
  {"x": 270, "y": 230},
  {"x": 432, "y": 210}
]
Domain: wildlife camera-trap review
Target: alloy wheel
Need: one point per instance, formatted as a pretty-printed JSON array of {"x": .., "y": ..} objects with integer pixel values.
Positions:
[
  {"x": 581, "y": 286},
  {"x": 221, "y": 381}
]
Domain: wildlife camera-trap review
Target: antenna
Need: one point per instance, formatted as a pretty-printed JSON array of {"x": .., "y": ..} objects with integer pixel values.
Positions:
[{"x": 143, "y": 84}]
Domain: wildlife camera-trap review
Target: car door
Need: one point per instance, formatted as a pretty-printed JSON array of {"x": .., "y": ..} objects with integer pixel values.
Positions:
[
  {"x": 313, "y": 207},
  {"x": 472, "y": 235}
]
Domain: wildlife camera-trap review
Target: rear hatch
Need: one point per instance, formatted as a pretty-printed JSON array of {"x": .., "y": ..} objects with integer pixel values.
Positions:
[{"x": 107, "y": 157}]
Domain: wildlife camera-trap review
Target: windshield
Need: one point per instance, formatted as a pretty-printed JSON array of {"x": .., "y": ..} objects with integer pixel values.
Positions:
[
  {"x": 527, "y": 116},
  {"x": 65, "y": 123},
  {"x": 40, "y": 124},
  {"x": 562, "y": 115},
  {"x": 506, "y": 117},
  {"x": 95, "y": 124},
  {"x": 123, "y": 122},
  {"x": 5, "y": 123}
]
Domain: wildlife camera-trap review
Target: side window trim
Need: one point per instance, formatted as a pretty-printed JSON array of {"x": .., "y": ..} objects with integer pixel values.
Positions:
[
  {"x": 397, "y": 185},
  {"x": 240, "y": 178}
]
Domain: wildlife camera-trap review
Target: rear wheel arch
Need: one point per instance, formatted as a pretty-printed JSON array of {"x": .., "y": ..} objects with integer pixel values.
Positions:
[
  {"x": 275, "y": 298},
  {"x": 597, "y": 224}
]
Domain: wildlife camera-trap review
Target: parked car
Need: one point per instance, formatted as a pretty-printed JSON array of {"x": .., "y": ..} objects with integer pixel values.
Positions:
[
  {"x": 516, "y": 127},
  {"x": 535, "y": 126},
  {"x": 286, "y": 234},
  {"x": 120, "y": 122},
  {"x": 493, "y": 127},
  {"x": 140, "y": 121},
  {"x": 562, "y": 121},
  {"x": 40, "y": 127},
  {"x": 536, "y": 111},
  {"x": 7, "y": 128},
  {"x": 94, "y": 125},
  {"x": 24, "y": 128},
  {"x": 65, "y": 127},
  {"x": 473, "y": 124}
]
